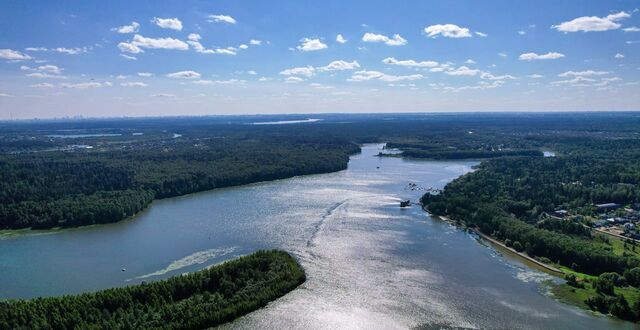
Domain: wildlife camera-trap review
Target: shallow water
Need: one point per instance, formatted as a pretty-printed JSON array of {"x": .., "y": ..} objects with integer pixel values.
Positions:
[{"x": 369, "y": 263}]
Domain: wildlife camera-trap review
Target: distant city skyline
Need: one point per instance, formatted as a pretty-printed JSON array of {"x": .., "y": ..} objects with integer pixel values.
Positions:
[{"x": 183, "y": 58}]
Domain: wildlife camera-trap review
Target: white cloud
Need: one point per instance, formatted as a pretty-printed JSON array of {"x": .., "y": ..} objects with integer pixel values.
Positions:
[
  {"x": 463, "y": 71},
  {"x": 592, "y": 23},
  {"x": 168, "y": 23},
  {"x": 252, "y": 72},
  {"x": 84, "y": 85},
  {"x": 410, "y": 63},
  {"x": 222, "y": 19},
  {"x": 42, "y": 85},
  {"x": 631, "y": 29},
  {"x": 480, "y": 34},
  {"x": 139, "y": 42},
  {"x": 13, "y": 55},
  {"x": 220, "y": 82},
  {"x": 255, "y": 42},
  {"x": 583, "y": 73},
  {"x": 448, "y": 30},
  {"x": 184, "y": 74},
  {"x": 534, "y": 56},
  {"x": 129, "y": 48},
  {"x": 341, "y": 39},
  {"x": 70, "y": 51},
  {"x": 145, "y": 74},
  {"x": 133, "y": 84},
  {"x": 619, "y": 56},
  {"x": 243, "y": 46},
  {"x": 293, "y": 80},
  {"x": 309, "y": 45},
  {"x": 45, "y": 75},
  {"x": 396, "y": 40},
  {"x": 470, "y": 61},
  {"x": 306, "y": 71},
  {"x": 522, "y": 32},
  {"x": 535, "y": 76},
  {"x": 162, "y": 95},
  {"x": 340, "y": 65},
  {"x": 376, "y": 75},
  {"x": 49, "y": 68},
  {"x": 131, "y": 28},
  {"x": 128, "y": 57},
  {"x": 577, "y": 80},
  {"x": 489, "y": 76}
]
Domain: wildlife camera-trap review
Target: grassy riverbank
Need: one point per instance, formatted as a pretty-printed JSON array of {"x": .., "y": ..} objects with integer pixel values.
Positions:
[{"x": 197, "y": 300}]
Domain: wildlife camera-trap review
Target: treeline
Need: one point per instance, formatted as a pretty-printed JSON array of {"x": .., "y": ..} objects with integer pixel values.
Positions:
[
  {"x": 508, "y": 198},
  {"x": 467, "y": 154},
  {"x": 198, "y": 300},
  {"x": 68, "y": 189}
]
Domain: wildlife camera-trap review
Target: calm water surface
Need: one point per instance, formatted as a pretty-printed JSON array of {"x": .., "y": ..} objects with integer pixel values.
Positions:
[{"x": 370, "y": 264}]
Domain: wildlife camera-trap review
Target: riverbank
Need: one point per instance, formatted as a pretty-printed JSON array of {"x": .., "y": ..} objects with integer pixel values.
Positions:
[
  {"x": 555, "y": 271},
  {"x": 201, "y": 299}
]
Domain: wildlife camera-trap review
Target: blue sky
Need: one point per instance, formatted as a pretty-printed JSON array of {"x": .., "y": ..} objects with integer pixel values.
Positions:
[{"x": 153, "y": 58}]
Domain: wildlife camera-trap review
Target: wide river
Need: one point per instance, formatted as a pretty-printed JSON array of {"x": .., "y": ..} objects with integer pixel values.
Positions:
[{"x": 369, "y": 263}]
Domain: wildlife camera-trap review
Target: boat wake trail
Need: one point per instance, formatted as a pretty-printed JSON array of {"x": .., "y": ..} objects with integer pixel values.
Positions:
[{"x": 318, "y": 226}]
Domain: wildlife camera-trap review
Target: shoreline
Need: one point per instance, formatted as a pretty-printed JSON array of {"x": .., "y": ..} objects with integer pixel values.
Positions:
[{"x": 555, "y": 271}]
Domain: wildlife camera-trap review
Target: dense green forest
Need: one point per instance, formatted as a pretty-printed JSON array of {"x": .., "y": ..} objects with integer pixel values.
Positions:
[
  {"x": 508, "y": 198},
  {"x": 194, "y": 301},
  {"x": 65, "y": 189}
]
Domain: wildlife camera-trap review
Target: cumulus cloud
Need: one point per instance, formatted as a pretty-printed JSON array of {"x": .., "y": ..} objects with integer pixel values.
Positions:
[
  {"x": 49, "y": 68},
  {"x": 619, "y": 56},
  {"x": 131, "y": 28},
  {"x": 220, "y": 82},
  {"x": 45, "y": 75},
  {"x": 583, "y": 73},
  {"x": 306, "y": 71},
  {"x": 138, "y": 42},
  {"x": 534, "y": 56},
  {"x": 168, "y": 23},
  {"x": 463, "y": 71},
  {"x": 145, "y": 74},
  {"x": 84, "y": 85},
  {"x": 396, "y": 40},
  {"x": 133, "y": 84},
  {"x": 410, "y": 63},
  {"x": 293, "y": 80},
  {"x": 376, "y": 75},
  {"x": 43, "y": 85},
  {"x": 222, "y": 19},
  {"x": 255, "y": 42},
  {"x": 184, "y": 74},
  {"x": 309, "y": 45},
  {"x": 340, "y": 65},
  {"x": 341, "y": 39},
  {"x": 448, "y": 30},
  {"x": 631, "y": 29},
  {"x": 13, "y": 55},
  {"x": 592, "y": 23}
]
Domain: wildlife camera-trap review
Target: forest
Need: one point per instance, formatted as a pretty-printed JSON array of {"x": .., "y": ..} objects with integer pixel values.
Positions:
[
  {"x": 196, "y": 300},
  {"x": 58, "y": 188},
  {"x": 509, "y": 198}
]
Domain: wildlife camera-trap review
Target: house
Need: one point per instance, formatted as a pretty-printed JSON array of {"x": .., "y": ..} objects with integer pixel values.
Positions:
[
  {"x": 560, "y": 213},
  {"x": 607, "y": 206}
]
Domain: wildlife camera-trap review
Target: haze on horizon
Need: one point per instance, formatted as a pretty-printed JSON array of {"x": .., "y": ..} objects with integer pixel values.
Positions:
[{"x": 118, "y": 58}]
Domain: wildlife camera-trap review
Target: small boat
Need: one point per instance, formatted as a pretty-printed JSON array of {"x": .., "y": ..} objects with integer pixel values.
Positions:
[{"x": 405, "y": 203}]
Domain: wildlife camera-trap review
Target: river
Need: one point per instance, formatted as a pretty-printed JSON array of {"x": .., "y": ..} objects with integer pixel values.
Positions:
[{"x": 369, "y": 263}]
